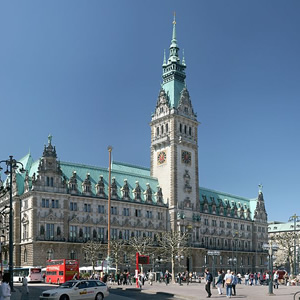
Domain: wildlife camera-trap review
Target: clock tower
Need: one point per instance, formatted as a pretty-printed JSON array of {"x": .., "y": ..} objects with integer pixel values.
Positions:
[{"x": 174, "y": 140}]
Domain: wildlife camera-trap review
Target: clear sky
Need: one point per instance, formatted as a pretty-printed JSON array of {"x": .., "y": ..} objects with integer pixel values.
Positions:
[{"x": 89, "y": 73}]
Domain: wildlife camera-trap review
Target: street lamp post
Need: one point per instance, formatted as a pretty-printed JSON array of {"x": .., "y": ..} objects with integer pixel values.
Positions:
[
  {"x": 11, "y": 164},
  {"x": 271, "y": 248},
  {"x": 296, "y": 219}
]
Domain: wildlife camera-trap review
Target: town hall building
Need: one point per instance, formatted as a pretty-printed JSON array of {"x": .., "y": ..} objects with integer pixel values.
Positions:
[{"x": 58, "y": 205}]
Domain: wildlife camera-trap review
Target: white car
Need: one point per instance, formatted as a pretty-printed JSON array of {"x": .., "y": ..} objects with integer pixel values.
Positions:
[{"x": 77, "y": 289}]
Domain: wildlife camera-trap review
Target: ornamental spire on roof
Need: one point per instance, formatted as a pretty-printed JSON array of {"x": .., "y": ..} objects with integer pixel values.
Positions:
[{"x": 173, "y": 71}]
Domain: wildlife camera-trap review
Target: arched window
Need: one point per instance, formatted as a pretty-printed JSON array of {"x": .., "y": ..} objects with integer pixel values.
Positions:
[
  {"x": 50, "y": 254},
  {"x": 184, "y": 129},
  {"x": 162, "y": 129},
  {"x": 157, "y": 131},
  {"x": 58, "y": 231},
  {"x": 167, "y": 127},
  {"x": 180, "y": 127},
  {"x": 190, "y": 130},
  {"x": 42, "y": 230}
]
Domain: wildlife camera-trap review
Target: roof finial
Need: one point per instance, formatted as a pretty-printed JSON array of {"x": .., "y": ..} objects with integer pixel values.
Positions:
[
  {"x": 49, "y": 139},
  {"x": 260, "y": 187},
  {"x": 174, "y": 29},
  {"x": 165, "y": 61}
]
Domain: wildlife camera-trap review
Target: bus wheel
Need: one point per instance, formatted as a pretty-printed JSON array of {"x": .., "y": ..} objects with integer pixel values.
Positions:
[
  {"x": 64, "y": 297},
  {"x": 99, "y": 296}
]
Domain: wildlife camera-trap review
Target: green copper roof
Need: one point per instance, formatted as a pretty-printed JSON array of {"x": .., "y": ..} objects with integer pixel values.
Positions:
[
  {"x": 211, "y": 195},
  {"x": 274, "y": 227},
  {"x": 173, "y": 72}
]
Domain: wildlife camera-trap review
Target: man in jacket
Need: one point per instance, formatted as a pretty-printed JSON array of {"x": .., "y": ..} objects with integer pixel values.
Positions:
[{"x": 208, "y": 281}]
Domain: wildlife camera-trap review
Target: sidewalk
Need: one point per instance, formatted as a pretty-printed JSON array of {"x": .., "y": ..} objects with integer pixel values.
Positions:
[
  {"x": 197, "y": 291},
  {"x": 17, "y": 295}
]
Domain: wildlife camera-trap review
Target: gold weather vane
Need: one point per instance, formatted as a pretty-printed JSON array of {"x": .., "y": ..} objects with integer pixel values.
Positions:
[{"x": 174, "y": 21}]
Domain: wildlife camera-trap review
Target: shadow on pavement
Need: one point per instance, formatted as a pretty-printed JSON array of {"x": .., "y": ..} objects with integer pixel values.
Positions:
[{"x": 137, "y": 294}]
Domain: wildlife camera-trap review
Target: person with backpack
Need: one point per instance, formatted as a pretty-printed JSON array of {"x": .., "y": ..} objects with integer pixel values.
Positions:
[
  {"x": 208, "y": 281},
  {"x": 228, "y": 282}
]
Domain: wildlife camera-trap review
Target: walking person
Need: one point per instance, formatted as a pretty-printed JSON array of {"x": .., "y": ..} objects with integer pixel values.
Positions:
[
  {"x": 223, "y": 276},
  {"x": 276, "y": 276},
  {"x": 234, "y": 283},
  {"x": 151, "y": 277},
  {"x": 167, "y": 277},
  {"x": 208, "y": 281},
  {"x": 5, "y": 288},
  {"x": 219, "y": 282},
  {"x": 25, "y": 284},
  {"x": 228, "y": 281},
  {"x": 246, "y": 279}
]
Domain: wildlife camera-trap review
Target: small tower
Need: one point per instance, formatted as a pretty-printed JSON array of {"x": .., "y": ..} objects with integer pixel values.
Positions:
[{"x": 174, "y": 139}]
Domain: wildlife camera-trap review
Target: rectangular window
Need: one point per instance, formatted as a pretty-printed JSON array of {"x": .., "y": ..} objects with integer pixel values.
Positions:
[
  {"x": 235, "y": 226},
  {"x": 49, "y": 231},
  {"x": 248, "y": 228},
  {"x": 125, "y": 211},
  {"x": 242, "y": 226},
  {"x": 43, "y": 202},
  {"x": 222, "y": 224},
  {"x": 101, "y": 209},
  {"x": 114, "y": 233},
  {"x": 113, "y": 210},
  {"x": 101, "y": 233},
  {"x": 48, "y": 181},
  {"x": 87, "y": 232},
  {"x": 214, "y": 223},
  {"x": 73, "y": 232},
  {"x": 87, "y": 207},
  {"x": 228, "y": 225},
  {"x": 138, "y": 213},
  {"x": 47, "y": 203},
  {"x": 126, "y": 235},
  {"x": 51, "y": 181},
  {"x": 206, "y": 222},
  {"x": 159, "y": 216},
  {"x": 149, "y": 214}
]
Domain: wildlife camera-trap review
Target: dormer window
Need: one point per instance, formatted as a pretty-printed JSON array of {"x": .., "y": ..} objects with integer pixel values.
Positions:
[
  {"x": 148, "y": 193},
  {"x": 87, "y": 185},
  {"x": 186, "y": 110},
  {"x": 137, "y": 191},
  {"x": 100, "y": 186},
  {"x": 125, "y": 190},
  {"x": 159, "y": 195},
  {"x": 114, "y": 188}
]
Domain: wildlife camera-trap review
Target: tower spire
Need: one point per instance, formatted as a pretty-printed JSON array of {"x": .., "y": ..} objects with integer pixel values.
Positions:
[{"x": 174, "y": 30}]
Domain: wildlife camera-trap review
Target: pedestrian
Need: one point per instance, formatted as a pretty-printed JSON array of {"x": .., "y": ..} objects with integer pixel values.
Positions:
[
  {"x": 140, "y": 281},
  {"x": 219, "y": 282},
  {"x": 255, "y": 278},
  {"x": 276, "y": 276},
  {"x": 5, "y": 288},
  {"x": 228, "y": 281},
  {"x": 223, "y": 276},
  {"x": 187, "y": 277},
  {"x": 234, "y": 283},
  {"x": 151, "y": 277},
  {"x": 246, "y": 279},
  {"x": 75, "y": 277},
  {"x": 25, "y": 284},
  {"x": 167, "y": 277},
  {"x": 239, "y": 277},
  {"x": 208, "y": 281}
]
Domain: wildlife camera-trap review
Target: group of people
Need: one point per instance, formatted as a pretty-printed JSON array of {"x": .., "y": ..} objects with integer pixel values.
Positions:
[{"x": 228, "y": 280}]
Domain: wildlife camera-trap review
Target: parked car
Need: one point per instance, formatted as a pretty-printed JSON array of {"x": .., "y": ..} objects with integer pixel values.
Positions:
[{"x": 77, "y": 289}]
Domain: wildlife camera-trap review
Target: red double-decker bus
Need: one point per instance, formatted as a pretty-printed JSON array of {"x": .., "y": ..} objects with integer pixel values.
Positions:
[{"x": 61, "y": 270}]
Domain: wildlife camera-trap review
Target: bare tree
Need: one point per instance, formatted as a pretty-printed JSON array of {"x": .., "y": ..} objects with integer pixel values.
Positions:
[
  {"x": 285, "y": 253},
  {"x": 117, "y": 249},
  {"x": 173, "y": 244},
  {"x": 143, "y": 245},
  {"x": 92, "y": 250}
]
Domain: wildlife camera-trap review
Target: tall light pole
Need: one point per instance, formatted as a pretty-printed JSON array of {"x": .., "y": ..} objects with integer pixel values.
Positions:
[
  {"x": 109, "y": 148},
  {"x": 11, "y": 165},
  {"x": 296, "y": 219},
  {"x": 271, "y": 248}
]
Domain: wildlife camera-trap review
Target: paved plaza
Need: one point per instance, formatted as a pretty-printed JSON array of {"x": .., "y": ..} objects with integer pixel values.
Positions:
[
  {"x": 160, "y": 291},
  {"x": 197, "y": 291}
]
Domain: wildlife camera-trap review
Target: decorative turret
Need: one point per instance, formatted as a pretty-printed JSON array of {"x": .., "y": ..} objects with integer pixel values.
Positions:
[{"x": 260, "y": 210}]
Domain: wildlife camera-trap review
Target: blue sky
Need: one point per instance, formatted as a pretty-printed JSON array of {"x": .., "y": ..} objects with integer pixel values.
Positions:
[{"x": 89, "y": 73}]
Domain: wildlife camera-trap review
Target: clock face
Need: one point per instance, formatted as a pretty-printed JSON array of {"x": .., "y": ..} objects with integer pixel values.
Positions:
[
  {"x": 186, "y": 157},
  {"x": 161, "y": 157}
]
